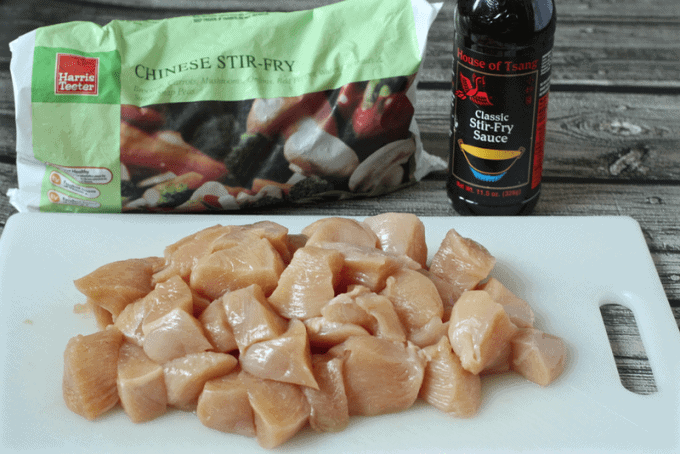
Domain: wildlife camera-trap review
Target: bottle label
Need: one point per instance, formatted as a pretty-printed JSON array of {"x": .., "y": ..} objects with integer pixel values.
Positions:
[{"x": 499, "y": 112}]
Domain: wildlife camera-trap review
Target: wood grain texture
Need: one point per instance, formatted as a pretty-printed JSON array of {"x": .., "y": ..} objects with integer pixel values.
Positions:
[{"x": 592, "y": 45}]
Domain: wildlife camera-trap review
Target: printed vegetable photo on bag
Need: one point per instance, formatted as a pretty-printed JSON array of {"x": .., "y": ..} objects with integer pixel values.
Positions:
[{"x": 221, "y": 112}]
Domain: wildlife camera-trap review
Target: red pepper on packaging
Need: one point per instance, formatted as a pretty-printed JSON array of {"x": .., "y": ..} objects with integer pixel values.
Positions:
[{"x": 166, "y": 152}]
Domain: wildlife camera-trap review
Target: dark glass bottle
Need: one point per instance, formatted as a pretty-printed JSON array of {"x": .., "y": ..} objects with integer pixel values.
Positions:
[{"x": 501, "y": 81}]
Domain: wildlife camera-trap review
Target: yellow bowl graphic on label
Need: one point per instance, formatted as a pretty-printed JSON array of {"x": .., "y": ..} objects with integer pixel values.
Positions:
[{"x": 489, "y": 164}]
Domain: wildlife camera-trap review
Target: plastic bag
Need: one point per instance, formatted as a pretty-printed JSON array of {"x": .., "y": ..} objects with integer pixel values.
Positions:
[{"x": 220, "y": 112}]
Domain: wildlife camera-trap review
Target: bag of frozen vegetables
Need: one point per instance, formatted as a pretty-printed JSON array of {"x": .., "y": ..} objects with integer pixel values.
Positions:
[{"x": 222, "y": 111}]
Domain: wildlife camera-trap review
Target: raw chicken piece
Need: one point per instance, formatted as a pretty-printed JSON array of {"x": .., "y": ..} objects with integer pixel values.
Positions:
[
  {"x": 328, "y": 404},
  {"x": 340, "y": 230},
  {"x": 255, "y": 262},
  {"x": 479, "y": 330},
  {"x": 251, "y": 318},
  {"x": 223, "y": 405},
  {"x": 430, "y": 333},
  {"x": 216, "y": 327},
  {"x": 501, "y": 364},
  {"x": 90, "y": 370},
  {"x": 141, "y": 384},
  {"x": 447, "y": 386},
  {"x": 285, "y": 358},
  {"x": 415, "y": 298},
  {"x": 518, "y": 310},
  {"x": 380, "y": 376},
  {"x": 103, "y": 317},
  {"x": 538, "y": 356},
  {"x": 296, "y": 241},
  {"x": 200, "y": 303},
  {"x": 275, "y": 233},
  {"x": 182, "y": 256},
  {"x": 365, "y": 266},
  {"x": 400, "y": 234},
  {"x": 166, "y": 296},
  {"x": 360, "y": 306},
  {"x": 325, "y": 334},
  {"x": 173, "y": 335},
  {"x": 448, "y": 292},
  {"x": 186, "y": 376},
  {"x": 307, "y": 283},
  {"x": 386, "y": 324},
  {"x": 280, "y": 409},
  {"x": 461, "y": 261},
  {"x": 115, "y": 285},
  {"x": 344, "y": 309},
  {"x": 129, "y": 322}
]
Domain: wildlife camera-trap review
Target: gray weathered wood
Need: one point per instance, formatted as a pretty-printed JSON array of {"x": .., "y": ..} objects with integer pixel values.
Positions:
[{"x": 593, "y": 46}]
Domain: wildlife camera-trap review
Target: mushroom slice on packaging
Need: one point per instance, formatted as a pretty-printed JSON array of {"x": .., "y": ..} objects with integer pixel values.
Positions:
[
  {"x": 141, "y": 384},
  {"x": 383, "y": 170},
  {"x": 314, "y": 151}
]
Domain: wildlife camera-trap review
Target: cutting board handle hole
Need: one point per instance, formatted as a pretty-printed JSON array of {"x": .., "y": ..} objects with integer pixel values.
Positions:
[{"x": 632, "y": 364}]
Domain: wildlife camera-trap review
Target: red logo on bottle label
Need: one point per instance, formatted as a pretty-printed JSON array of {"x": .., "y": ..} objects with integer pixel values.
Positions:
[
  {"x": 76, "y": 75},
  {"x": 474, "y": 90}
]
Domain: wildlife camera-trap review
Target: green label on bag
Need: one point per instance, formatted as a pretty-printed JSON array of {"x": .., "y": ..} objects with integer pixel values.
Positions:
[
  {"x": 237, "y": 56},
  {"x": 80, "y": 144}
]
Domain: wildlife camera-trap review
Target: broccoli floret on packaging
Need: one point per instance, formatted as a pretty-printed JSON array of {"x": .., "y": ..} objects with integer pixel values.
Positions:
[
  {"x": 246, "y": 158},
  {"x": 309, "y": 187}
]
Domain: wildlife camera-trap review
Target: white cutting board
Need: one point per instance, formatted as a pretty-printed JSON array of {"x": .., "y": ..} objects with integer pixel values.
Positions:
[{"x": 564, "y": 267}]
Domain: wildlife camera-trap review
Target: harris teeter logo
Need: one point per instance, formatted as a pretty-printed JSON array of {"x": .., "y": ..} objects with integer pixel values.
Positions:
[{"x": 76, "y": 75}]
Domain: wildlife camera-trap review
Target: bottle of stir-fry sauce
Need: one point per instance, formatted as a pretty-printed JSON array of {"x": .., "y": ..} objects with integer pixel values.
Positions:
[{"x": 501, "y": 80}]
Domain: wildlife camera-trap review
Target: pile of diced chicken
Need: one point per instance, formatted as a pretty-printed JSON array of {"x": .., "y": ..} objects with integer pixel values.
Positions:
[{"x": 261, "y": 332}]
